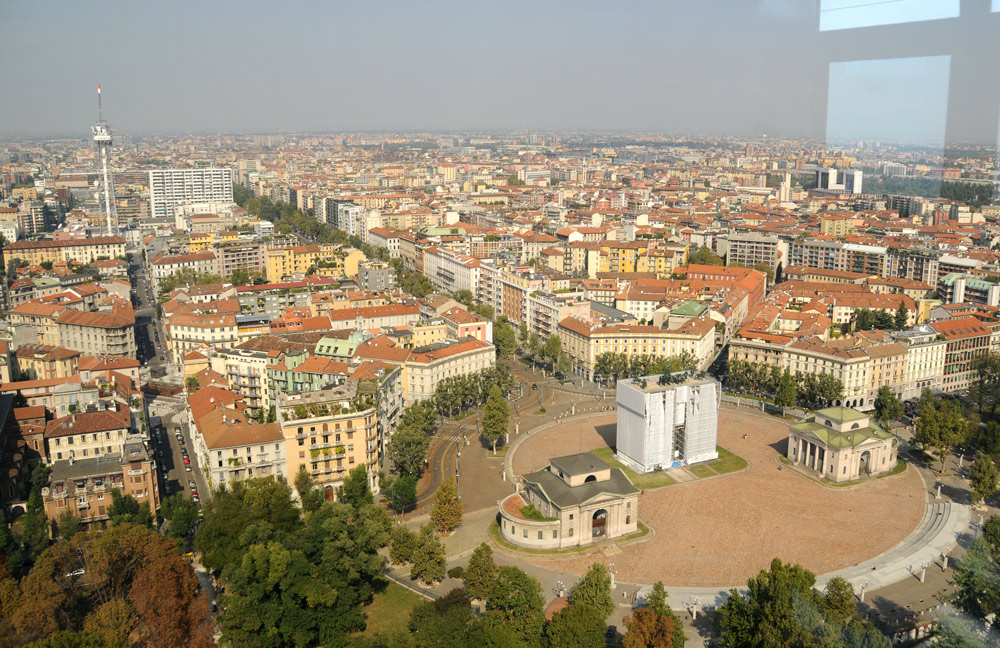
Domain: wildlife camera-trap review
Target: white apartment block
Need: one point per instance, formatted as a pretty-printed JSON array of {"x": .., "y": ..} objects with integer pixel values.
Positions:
[
  {"x": 451, "y": 271},
  {"x": 171, "y": 187}
]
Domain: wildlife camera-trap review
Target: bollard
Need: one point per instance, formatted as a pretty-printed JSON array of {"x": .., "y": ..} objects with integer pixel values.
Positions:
[{"x": 923, "y": 573}]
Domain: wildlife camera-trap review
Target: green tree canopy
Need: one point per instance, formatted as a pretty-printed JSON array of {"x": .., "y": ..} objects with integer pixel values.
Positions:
[
  {"x": 887, "y": 406},
  {"x": 516, "y": 601},
  {"x": 428, "y": 556},
  {"x": 576, "y": 626},
  {"x": 355, "y": 490},
  {"x": 496, "y": 417},
  {"x": 704, "y": 256},
  {"x": 594, "y": 590},
  {"x": 481, "y": 571},
  {"x": 446, "y": 513},
  {"x": 983, "y": 478}
]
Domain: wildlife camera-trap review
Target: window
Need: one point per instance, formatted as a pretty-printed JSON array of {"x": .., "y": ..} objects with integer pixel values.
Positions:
[
  {"x": 555, "y": 533},
  {"x": 571, "y": 533}
]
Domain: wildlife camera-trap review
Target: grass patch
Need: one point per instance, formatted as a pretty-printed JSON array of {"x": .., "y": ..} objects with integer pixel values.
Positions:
[
  {"x": 499, "y": 539},
  {"x": 702, "y": 470},
  {"x": 647, "y": 480},
  {"x": 463, "y": 414},
  {"x": 501, "y": 452},
  {"x": 390, "y": 610},
  {"x": 727, "y": 462},
  {"x": 783, "y": 459},
  {"x": 900, "y": 467},
  {"x": 532, "y": 513},
  {"x": 540, "y": 411}
]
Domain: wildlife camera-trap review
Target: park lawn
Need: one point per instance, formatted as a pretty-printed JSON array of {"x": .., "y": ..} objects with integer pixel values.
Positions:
[
  {"x": 390, "y": 610},
  {"x": 647, "y": 480},
  {"x": 702, "y": 470},
  {"x": 727, "y": 462},
  {"x": 900, "y": 467}
]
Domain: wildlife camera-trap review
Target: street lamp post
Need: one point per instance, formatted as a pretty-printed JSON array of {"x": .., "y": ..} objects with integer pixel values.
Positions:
[
  {"x": 864, "y": 587},
  {"x": 694, "y": 608}
]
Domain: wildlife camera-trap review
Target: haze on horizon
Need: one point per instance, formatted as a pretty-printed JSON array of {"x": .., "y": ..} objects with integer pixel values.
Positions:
[{"x": 721, "y": 66}]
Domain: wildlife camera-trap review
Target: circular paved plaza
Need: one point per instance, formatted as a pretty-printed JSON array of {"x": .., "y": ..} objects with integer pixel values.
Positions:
[{"x": 722, "y": 530}]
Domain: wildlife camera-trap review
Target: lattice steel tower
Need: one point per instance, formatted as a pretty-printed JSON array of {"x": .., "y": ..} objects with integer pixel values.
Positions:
[{"x": 102, "y": 137}]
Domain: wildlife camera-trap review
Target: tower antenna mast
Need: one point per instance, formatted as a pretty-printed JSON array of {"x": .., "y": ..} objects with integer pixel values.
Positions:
[{"x": 102, "y": 137}]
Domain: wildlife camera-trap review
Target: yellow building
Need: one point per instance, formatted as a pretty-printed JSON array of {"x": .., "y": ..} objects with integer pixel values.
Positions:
[
  {"x": 352, "y": 258},
  {"x": 836, "y": 224},
  {"x": 80, "y": 250},
  {"x": 283, "y": 262},
  {"x": 200, "y": 242}
]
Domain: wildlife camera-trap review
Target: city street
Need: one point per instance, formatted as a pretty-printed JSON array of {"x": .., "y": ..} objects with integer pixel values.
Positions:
[{"x": 168, "y": 453}]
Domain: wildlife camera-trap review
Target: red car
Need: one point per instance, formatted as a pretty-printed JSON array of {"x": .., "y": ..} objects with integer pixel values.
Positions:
[{"x": 186, "y": 460}]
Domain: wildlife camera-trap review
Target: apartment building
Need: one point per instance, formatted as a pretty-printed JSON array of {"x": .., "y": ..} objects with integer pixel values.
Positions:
[
  {"x": 169, "y": 188},
  {"x": 248, "y": 256},
  {"x": 88, "y": 434},
  {"x": 374, "y": 317},
  {"x": 79, "y": 250},
  {"x": 330, "y": 432},
  {"x": 925, "y": 358},
  {"x": 100, "y": 332},
  {"x": 191, "y": 331},
  {"x": 162, "y": 266},
  {"x": 751, "y": 249},
  {"x": 387, "y": 238},
  {"x": 585, "y": 341},
  {"x": 230, "y": 448},
  {"x": 957, "y": 288},
  {"x": 296, "y": 260},
  {"x": 245, "y": 371},
  {"x": 109, "y": 331},
  {"x": 967, "y": 339},
  {"x": 43, "y": 361},
  {"x": 429, "y": 365},
  {"x": 82, "y": 487},
  {"x": 376, "y": 276},
  {"x": 451, "y": 271}
]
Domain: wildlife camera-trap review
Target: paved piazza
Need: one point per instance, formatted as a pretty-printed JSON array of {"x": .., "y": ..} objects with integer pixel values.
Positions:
[{"x": 722, "y": 530}]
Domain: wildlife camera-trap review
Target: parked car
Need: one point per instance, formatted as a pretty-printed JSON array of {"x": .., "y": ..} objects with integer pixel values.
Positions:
[{"x": 187, "y": 461}]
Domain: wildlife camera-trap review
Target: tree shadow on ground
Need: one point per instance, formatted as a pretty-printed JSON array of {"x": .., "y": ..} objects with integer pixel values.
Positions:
[
  {"x": 888, "y": 616},
  {"x": 954, "y": 493}
]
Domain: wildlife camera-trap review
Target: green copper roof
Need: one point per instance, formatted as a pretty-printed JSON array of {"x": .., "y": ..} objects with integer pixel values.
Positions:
[
  {"x": 689, "y": 309},
  {"x": 841, "y": 414},
  {"x": 834, "y": 439}
]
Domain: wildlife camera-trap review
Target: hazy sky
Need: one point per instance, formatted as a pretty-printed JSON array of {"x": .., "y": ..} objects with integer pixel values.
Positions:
[{"x": 733, "y": 66}]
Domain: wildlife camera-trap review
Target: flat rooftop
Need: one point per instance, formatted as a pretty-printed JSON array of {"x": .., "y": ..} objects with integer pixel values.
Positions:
[{"x": 680, "y": 379}]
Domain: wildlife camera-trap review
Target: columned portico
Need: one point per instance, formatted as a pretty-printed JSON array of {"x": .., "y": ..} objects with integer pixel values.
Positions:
[{"x": 841, "y": 444}]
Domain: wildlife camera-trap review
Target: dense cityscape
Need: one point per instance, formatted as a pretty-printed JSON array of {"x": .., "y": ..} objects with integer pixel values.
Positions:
[{"x": 534, "y": 387}]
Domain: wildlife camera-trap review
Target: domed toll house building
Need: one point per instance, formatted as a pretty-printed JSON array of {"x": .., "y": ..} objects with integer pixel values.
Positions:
[{"x": 578, "y": 499}]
